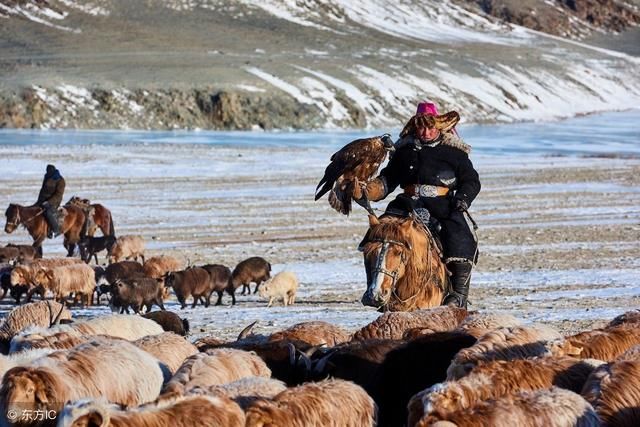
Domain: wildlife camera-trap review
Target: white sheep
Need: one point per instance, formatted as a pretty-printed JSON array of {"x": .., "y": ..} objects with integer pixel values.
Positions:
[
  {"x": 283, "y": 285},
  {"x": 120, "y": 326}
]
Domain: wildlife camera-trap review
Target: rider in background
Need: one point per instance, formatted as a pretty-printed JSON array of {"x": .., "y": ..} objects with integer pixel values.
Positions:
[
  {"x": 431, "y": 164},
  {"x": 50, "y": 197}
]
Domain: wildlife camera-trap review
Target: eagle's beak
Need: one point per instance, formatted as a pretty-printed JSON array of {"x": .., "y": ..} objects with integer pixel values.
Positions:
[{"x": 387, "y": 142}]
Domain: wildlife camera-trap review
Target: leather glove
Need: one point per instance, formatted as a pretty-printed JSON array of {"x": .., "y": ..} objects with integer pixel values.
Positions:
[{"x": 459, "y": 205}]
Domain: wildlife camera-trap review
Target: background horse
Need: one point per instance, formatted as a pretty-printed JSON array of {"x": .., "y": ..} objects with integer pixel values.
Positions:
[
  {"x": 32, "y": 218},
  {"x": 99, "y": 216},
  {"x": 403, "y": 264}
]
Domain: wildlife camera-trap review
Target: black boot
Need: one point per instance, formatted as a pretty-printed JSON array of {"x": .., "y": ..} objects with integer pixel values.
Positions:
[
  {"x": 50, "y": 215},
  {"x": 460, "y": 279}
]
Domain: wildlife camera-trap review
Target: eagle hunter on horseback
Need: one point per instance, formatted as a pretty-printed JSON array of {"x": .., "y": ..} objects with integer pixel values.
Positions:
[{"x": 405, "y": 264}]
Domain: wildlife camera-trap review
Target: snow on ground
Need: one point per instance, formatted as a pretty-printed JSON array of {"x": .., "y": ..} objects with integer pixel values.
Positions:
[{"x": 559, "y": 234}]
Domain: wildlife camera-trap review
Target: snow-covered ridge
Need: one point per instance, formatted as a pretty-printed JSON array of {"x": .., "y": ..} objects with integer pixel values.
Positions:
[
  {"x": 383, "y": 58},
  {"x": 50, "y": 14}
]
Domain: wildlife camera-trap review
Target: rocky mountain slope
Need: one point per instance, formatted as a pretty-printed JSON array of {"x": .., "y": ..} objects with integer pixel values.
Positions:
[{"x": 246, "y": 64}]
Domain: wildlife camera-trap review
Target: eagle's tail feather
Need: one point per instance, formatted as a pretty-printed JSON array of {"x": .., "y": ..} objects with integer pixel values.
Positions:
[
  {"x": 331, "y": 174},
  {"x": 340, "y": 199}
]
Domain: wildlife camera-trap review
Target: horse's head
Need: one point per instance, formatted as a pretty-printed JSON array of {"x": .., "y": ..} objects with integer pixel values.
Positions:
[
  {"x": 386, "y": 252},
  {"x": 13, "y": 218}
]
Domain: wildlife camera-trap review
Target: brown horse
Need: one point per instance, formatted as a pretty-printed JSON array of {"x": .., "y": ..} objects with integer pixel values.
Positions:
[
  {"x": 100, "y": 216},
  {"x": 403, "y": 264},
  {"x": 32, "y": 218}
]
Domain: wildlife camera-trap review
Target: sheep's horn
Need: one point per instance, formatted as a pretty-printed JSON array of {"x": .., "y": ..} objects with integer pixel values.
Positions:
[
  {"x": 50, "y": 313},
  {"x": 57, "y": 319},
  {"x": 318, "y": 368},
  {"x": 305, "y": 359},
  {"x": 311, "y": 351},
  {"x": 292, "y": 354},
  {"x": 246, "y": 331}
]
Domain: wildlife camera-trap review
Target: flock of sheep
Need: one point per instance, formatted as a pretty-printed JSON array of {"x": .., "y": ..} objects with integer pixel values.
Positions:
[
  {"x": 130, "y": 284},
  {"x": 439, "y": 367}
]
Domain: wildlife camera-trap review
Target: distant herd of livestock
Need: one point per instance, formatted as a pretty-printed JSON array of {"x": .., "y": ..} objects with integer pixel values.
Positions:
[
  {"x": 439, "y": 367},
  {"x": 130, "y": 284}
]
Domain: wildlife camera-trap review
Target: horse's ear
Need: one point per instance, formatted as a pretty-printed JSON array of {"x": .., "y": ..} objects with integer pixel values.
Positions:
[{"x": 373, "y": 220}]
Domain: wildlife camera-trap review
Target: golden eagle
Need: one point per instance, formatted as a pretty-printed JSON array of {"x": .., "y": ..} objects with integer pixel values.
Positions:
[{"x": 356, "y": 162}]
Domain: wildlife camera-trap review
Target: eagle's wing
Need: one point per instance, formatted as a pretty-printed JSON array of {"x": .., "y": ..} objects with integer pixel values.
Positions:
[
  {"x": 359, "y": 159},
  {"x": 342, "y": 160}
]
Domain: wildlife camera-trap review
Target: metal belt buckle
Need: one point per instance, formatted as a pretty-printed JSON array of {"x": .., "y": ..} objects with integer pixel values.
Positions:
[{"x": 428, "y": 191}]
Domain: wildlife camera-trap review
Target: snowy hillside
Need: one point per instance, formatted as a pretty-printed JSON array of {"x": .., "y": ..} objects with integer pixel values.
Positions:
[{"x": 342, "y": 63}]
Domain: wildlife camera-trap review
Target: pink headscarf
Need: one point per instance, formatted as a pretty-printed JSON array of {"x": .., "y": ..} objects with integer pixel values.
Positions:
[{"x": 429, "y": 108}]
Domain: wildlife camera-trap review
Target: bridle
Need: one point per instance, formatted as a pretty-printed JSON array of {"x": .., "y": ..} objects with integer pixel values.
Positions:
[
  {"x": 19, "y": 221},
  {"x": 380, "y": 267}
]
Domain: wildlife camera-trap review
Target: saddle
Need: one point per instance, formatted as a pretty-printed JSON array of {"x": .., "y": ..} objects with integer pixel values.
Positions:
[
  {"x": 89, "y": 213},
  {"x": 430, "y": 225}
]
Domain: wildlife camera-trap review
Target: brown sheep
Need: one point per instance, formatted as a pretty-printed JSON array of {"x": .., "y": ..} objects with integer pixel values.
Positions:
[
  {"x": 503, "y": 344},
  {"x": 127, "y": 247},
  {"x": 40, "y": 314},
  {"x": 326, "y": 403},
  {"x": 194, "y": 281},
  {"x": 251, "y": 270},
  {"x": 215, "y": 367},
  {"x": 220, "y": 277},
  {"x": 115, "y": 370},
  {"x": 393, "y": 325},
  {"x": 614, "y": 391},
  {"x": 497, "y": 378},
  {"x": 315, "y": 333},
  {"x": 156, "y": 267},
  {"x": 9, "y": 254},
  {"x": 169, "y": 321},
  {"x": 605, "y": 344},
  {"x": 26, "y": 253},
  {"x": 632, "y": 316},
  {"x": 553, "y": 407},
  {"x": 632, "y": 354},
  {"x": 120, "y": 326},
  {"x": 122, "y": 270},
  {"x": 179, "y": 411},
  {"x": 168, "y": 348},
  {"x": 478, "y": 324},
  {"x": 137, "y": 293},
  {"x": 245, "y": 390}
]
